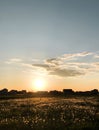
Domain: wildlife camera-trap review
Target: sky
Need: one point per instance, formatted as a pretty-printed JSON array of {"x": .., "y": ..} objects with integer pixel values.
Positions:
[{"x": 53, "y": 40}]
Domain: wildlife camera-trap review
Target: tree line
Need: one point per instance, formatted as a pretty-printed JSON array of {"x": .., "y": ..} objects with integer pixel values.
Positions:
[{"x": 4, "y": 93}]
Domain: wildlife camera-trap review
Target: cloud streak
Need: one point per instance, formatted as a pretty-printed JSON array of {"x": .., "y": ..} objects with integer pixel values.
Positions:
[
  {"x": 45, "y": 66},
  {"x": 13, "y": 60},
  {"x": 67, "y": 65},
  {"x": 60, "y": 66},
  {"x": 75, "y": 55},
  {"x": 65, "y": 72}
]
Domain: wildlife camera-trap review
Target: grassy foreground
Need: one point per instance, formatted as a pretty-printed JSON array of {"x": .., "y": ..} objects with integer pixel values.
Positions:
[{"x": 79, "y": 113}]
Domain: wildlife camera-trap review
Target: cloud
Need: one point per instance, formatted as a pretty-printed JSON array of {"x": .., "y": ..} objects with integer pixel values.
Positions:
[
  {"x": 57, "y": 66},
  {"x": 13, "y": 60},
  {"x": 53, "y": 61},
  {"x": 45, "y": 66},
  {"x": 58, "y": 71},
  {"x": 75, "y": 55},
  {"x": 96, "y": 56},
  {"x": 26, "y": 65},
  {"x": 65, "y": 72},
  {"x": 67, "y": 65}
]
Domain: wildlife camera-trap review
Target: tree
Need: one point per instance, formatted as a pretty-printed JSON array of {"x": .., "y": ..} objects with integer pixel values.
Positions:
[{"x": 4, "y": 91}]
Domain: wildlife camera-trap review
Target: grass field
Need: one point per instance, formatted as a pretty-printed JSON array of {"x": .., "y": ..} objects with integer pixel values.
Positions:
[{"x": 79, "y": 113}]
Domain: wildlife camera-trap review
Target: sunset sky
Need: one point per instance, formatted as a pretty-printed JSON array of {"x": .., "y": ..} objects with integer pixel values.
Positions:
[{"x": 56, "y": 41}]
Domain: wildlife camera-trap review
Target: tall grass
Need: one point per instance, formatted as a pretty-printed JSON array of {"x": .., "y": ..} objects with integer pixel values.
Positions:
[{"x": 50, "y": 114}]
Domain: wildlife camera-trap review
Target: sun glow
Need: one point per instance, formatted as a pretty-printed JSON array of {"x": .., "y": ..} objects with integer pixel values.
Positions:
[{"x": 39, "y": 84}]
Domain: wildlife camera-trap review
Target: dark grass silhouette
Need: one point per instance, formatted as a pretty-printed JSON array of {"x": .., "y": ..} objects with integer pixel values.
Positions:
[{"x": 79, "y": 113}]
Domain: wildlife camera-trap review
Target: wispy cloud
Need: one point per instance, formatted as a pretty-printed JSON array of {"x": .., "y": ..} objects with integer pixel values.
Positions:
[
  {"x": 58, "y": 71},
  {"x": 57, "y": 66},
  {"x": 96, "y": 56},
  {"x": 65, "y": 72},
  {"x": 75, "y": 55},
  {"x": 45, "y": 66},
  {"x": 26, "y": 65},
  {"x": 66, "y": 65},
  {"x": 13, "y": 60}
]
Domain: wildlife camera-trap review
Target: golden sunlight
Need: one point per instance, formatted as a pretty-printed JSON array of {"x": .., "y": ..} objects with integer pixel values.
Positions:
[{"x": 39, "y": 84}]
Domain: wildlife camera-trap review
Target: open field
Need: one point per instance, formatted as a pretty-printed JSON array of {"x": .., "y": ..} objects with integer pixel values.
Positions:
[{"x": 79, "y": 113}]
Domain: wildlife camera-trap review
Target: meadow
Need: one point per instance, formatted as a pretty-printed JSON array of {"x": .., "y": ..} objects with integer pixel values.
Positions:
[{"x": 74, "y": 113}]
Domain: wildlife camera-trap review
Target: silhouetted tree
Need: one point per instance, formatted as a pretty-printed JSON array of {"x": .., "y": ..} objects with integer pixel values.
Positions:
[
  {"x": 4, "y": 91},
  {"x": 22, "y": 92},
  {"x": 94, "y": 92},
  {"x": 12, "y": 92}
]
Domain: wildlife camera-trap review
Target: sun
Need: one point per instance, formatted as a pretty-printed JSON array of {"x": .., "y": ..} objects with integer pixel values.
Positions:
[{"x": 39, "y": 84}]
